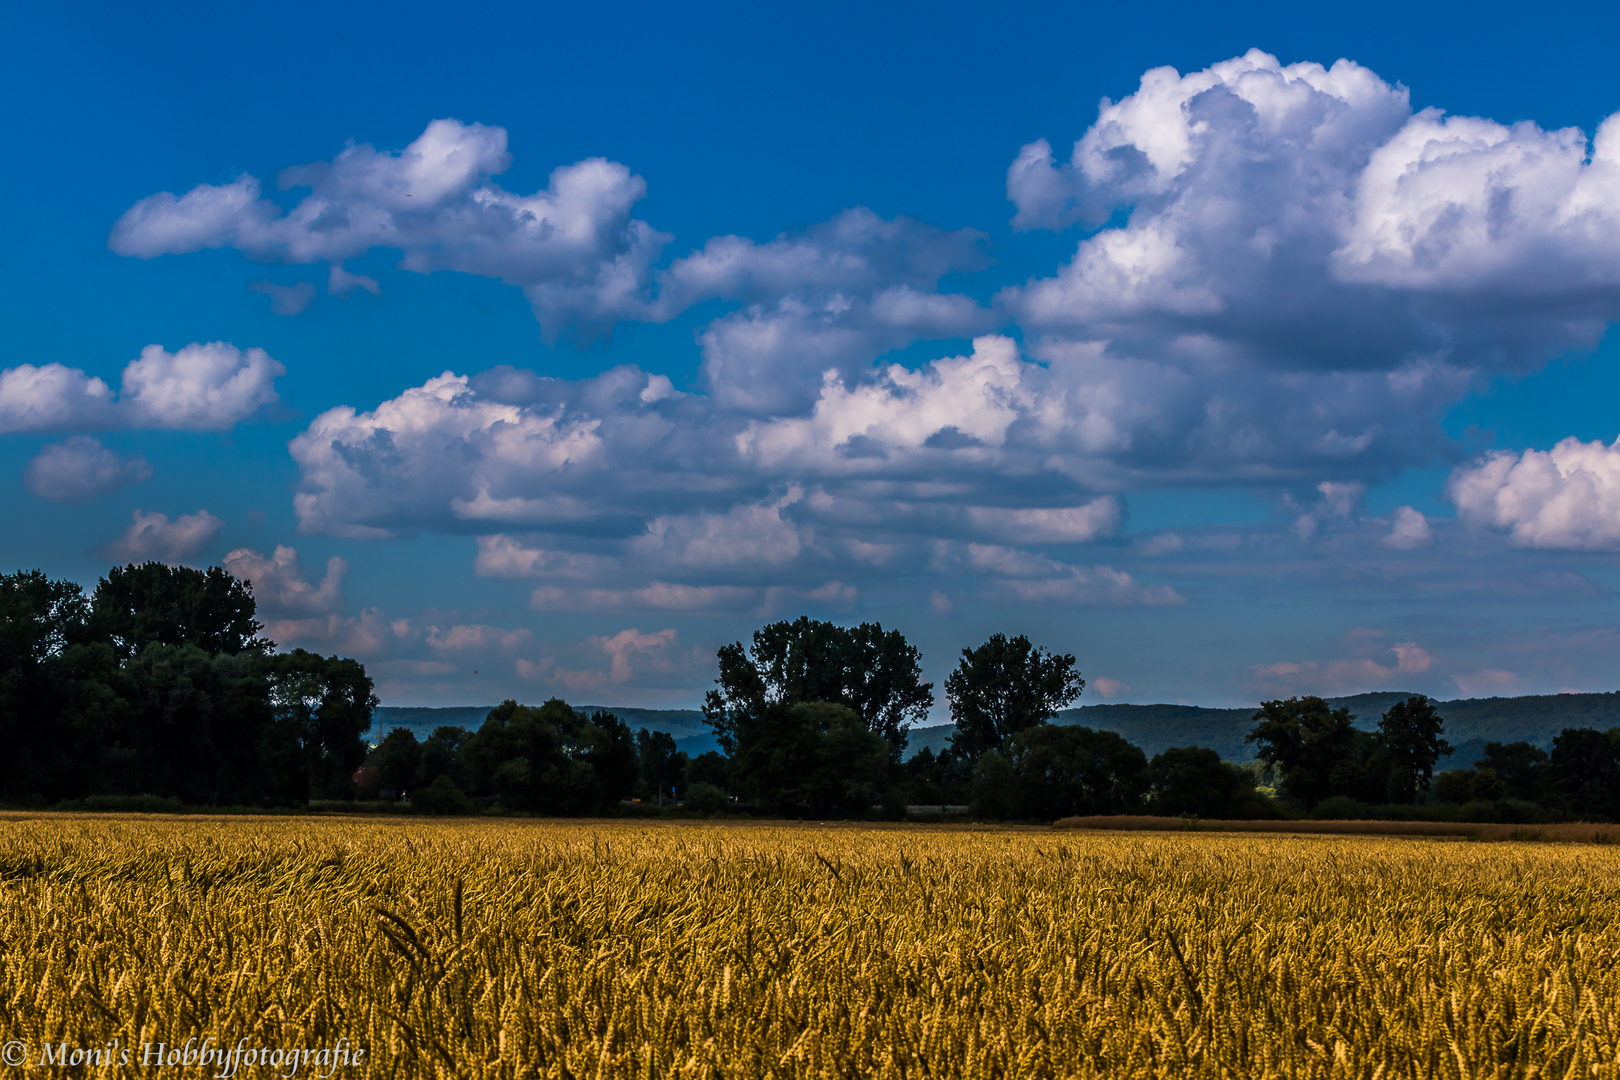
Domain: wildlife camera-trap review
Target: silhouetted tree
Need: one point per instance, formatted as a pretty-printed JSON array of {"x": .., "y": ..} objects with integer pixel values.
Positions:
[
  {"x": 1051, "y": 771},
  {"x": 612, "y": 755},
  {"x": 1003, "y": 687},
  {"x": 1305, "y": 740},
  {"x": 811, "y": 757},
  {"x": 325, "y": 704},
  {"x": 1520, "y": 768},
  {"x": 1584, "y": 769},
  {"x": 1194, "y": 780},
  {"x": 873, "y": 671},
  {"x": 154, "y": 604},
  {"x": 47, "y": 741},
  {"x": 398, "y": 761},
  {"x": 551, "y": 759},
  {"x": 1410, "y": 732},
  {"x": 661, "y": 767},
  {"x": 441, "y": 756},
  {"x": 711, "y": 768}
]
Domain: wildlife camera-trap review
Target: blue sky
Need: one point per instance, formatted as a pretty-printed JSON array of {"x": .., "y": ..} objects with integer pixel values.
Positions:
[{"x": 1270, "y": 375}]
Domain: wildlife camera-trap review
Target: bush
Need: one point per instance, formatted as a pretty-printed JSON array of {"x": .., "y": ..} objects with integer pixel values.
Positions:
[
  {"x": 441, "y": 797},
  {"x": 1193, "y": 780},
  {"x": 124, "y": 804},
  {"x": 1341, "y": 808},
  {"x": 706, "y": 799}
]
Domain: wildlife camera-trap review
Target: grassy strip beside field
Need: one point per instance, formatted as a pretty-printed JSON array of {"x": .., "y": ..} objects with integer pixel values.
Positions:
[
  {"x": 605, "y": 949},
  {"x": 1580, "y": 832}
]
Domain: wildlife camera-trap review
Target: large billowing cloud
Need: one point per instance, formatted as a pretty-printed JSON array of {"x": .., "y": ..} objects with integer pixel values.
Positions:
[
  {"x": 1567, "y": 497},
  {"x": 1309, "y": 273},
  {"x": 833, "y": 298},
  {"x": 972, "y": 445},
  {"x": 202, "y": 387},
  {"x": 617, "y": 493}
]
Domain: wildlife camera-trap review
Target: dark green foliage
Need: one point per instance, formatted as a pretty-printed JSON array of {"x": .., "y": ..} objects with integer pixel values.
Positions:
[
  {"x": 1515, "y": 771},
  {"x": 442, "y": 796},
  {"x": 1002, "y": 688},
  {"x": 706, "y": 799},
  {"x": 994, "y": 787},
  {"x": 1410, "y": 733},
  {"x": 710, "y": 767},
  {"x": 159, "y": 686},
  {"x": 612, "y": 755},
  {"x": 398, "y": 761},
  {"x": 323, "y": 703},
  {"x": 874, "y": 672},
  {"x": 1064, "y": 771},
  {"x": 1584, "y": 773},
  {"x": 441, "y": 755},
  {"x": 153, "y": 604},
  {"x": 661, "y": 767},
  {"x": 938, "y": 779},
  {"x": 1049, "y": 772},
  {"x": 551, "y": 759},
  {"x": 1194, "y": 780},
  {"x": 1306, "y": 740},
  {"x": 812, "y": 758},
  {"x": 1518, "y": 767}
]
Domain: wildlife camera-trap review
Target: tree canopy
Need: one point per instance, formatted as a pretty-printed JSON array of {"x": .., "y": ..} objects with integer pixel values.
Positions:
[
  {"x": 874, "y": 672},
  {"x": 159, "y": 684},
  {"x": 1410, "y": 732},
  {"x": 155, "y": 604},
  {"x": 1005, "y": 686}
]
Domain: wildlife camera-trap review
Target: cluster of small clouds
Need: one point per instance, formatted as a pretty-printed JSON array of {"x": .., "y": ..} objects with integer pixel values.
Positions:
[
  {"x": 199, "y": 388},
  {"x": 299, "y": 611},
  {"x": 1374, "y": 665},
  {"x": 1402, "y": 662}
]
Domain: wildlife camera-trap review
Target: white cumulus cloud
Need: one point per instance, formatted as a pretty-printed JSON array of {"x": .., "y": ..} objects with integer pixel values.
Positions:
[
  {"x": 202, "y": 387},
  {"x": 1408, "y": 528},
  {"x": 573, "y": 247},
  {"x": 1567, "y": 497},
  {"x": 1309, "y": 273}
]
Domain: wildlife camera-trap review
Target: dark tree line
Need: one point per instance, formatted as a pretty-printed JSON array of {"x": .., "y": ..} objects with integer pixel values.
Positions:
[{"x": 159, "y": 683}]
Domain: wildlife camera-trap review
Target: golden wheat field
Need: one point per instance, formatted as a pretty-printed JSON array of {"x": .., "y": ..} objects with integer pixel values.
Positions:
[{"x": 629, "y": 949}]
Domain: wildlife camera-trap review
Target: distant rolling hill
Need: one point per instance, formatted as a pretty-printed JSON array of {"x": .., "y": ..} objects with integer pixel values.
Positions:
[{"x": 1470, "y": 722}]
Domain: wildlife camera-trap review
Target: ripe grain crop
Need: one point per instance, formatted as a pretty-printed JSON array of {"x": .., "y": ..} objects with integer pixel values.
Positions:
[{"x": 635, "y": 949}]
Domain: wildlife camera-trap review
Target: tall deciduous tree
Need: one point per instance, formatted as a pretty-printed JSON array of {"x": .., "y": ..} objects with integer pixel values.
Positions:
[
  {"x": 1411, "y": 733},
  {"x": 1005, "y": 686},
  {"x": 325, "y": 704},
  {"x": 155, "y": 604},
  {"x": 1305, "y": 739},
  {"x": 873, "y": 671}
]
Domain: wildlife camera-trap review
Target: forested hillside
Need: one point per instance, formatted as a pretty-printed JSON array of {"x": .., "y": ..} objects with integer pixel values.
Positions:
[{"x": 1470, "y": 723}]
